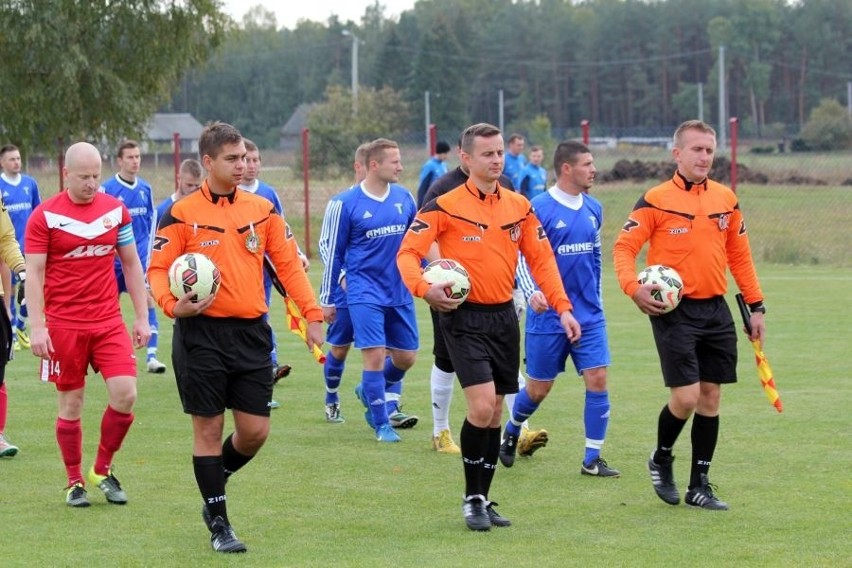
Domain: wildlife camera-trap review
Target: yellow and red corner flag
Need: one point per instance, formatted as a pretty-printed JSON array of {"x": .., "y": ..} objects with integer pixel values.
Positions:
[
  {"x": 299, "y": 326},
  {"x": 764, "y": 371}
]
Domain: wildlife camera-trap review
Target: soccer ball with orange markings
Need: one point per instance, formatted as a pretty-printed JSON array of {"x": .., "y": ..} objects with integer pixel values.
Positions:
[
  {"x": 669, "y": 280},
  {"x": 194, "y": 272},
  {"x": 448, "y": 270}
]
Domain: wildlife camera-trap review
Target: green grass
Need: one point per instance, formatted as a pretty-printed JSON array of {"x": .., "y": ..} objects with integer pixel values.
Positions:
[{"x": 326, "y": 495}]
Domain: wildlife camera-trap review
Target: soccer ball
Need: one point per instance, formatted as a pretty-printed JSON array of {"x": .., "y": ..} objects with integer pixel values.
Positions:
[
  {"x": 668, "y": 279},
  {"x": 447, "y": 270},
  {"x": 194, "y": 272}
]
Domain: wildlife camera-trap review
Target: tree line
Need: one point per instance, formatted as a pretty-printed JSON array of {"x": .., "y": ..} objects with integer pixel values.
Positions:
[{"x": 622, "y": 64}]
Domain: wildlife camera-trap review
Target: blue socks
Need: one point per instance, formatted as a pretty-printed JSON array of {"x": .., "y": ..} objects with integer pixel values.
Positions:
[
  {"x": 596, "y": 420},
  {"x": 523, "y": 409},
  {"x": 155, "y": 331},
  {"x": 333, "y": 374}
]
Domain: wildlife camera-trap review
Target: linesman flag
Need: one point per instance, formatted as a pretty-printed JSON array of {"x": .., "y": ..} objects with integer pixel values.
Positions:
[
  {"x": 295, "y": 322},
  {"x": 764, "y": 371},
  {"x": 299, "y": 326}
]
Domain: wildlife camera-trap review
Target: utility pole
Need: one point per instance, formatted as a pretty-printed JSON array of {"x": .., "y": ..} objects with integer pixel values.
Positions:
[
  {"x": 354, "y": 69},
  {"x": 723, "y": 123}
]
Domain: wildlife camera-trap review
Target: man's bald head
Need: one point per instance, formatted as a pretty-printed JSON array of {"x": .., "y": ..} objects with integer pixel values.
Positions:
[{"x": 81, "y": 152}]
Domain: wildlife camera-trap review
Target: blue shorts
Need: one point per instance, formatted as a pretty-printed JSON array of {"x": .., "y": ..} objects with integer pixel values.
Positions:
[
  {"x": 340, "y": 332},
  {"x": 393, "y": 327},
  {"x": 546, "y": 353}
]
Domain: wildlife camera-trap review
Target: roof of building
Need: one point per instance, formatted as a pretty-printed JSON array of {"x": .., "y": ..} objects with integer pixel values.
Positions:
[{"x": 164, "y": 125}]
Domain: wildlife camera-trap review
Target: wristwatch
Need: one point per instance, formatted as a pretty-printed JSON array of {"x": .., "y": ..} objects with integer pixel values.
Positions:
[{"x": 757, "y": 308}]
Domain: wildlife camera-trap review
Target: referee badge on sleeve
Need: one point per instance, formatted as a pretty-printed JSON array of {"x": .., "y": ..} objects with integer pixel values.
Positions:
[
  {"x": 252, "y": 242},
  {"x": 724, "y": 221}
]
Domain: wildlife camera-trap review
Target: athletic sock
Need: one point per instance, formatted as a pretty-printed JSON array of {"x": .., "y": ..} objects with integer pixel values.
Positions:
[
  {"x": 441, "y": 385},
  {"x": 114, "y": 427},
  {"x": 332, "y": 371},
  {"x": 155, "y": 332},
  {"x": 705, "y": 433},
  {"x": 595, "y": 420},
  {"x": 474, "y": 444},
  {"x": 210, "y": 477},
  {"x": 669, "y": 427},
  {"x": 489, "y": 466},
  {"x": 373, "y": 384},
  {"x": 69, "y": 436},
  {"x": 232, "y": 460},
  {"x": 523, "y": 408},
  {"x": 4, "y": 407},
  {"x": 393, "y": 392}
]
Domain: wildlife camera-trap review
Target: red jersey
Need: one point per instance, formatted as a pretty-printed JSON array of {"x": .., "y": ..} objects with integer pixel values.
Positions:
[{"x": 80, "y": 241}]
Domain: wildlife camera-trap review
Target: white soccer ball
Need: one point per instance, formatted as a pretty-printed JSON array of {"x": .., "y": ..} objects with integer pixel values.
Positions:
[
  {"x": 448, "y": 270},
  {"x": 669, "y": 280},
  {"x": 194, "y": 272}
]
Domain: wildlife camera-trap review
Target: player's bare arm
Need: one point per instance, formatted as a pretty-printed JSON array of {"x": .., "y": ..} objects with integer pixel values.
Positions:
[
  {"x": 40, "y": 343},
  {"x": 571, "y": 326},
  {"x": 315, "y": 334},
  {"x": 758, "y": 327},
  {"x": 135, "y": 279}
]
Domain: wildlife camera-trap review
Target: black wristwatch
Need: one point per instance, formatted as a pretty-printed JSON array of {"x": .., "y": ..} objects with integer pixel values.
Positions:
[{"x": 757, "y": 308}]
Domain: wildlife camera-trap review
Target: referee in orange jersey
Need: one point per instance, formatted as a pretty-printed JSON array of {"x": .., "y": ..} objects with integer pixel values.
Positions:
[
  {"x": 483, "y": 226},
  {"x": 695, "y": 226},
  {"x": 221, "y": 345}
]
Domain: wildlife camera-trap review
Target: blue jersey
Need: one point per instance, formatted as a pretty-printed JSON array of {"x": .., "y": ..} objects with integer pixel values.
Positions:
[
  {"x": 533, "y": 181},
  {"x": 512, "y": 168},
  {"x": 364, "y": 233},
  {"x": 432, "y": 170},
  {"x": 20, "y": 199},
  {"x": 164, "y": 206},
  {"x": 139, "y": 199},
  {"x": 573, "y": 226},
  {"x": 337, "y": 297},
  {"x": 267, "y": 191}
]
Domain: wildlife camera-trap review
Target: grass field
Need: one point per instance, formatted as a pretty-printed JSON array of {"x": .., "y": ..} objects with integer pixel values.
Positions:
[{"x": 329, "y": 495}]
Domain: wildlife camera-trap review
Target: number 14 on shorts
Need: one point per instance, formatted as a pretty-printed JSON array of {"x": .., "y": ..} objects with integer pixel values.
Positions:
[{"x": 49, "y": 369}]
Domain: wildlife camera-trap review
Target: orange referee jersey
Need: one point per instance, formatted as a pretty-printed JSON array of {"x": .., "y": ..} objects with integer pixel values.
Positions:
[
  {"x": 484, "y": 232},
  {"x": 696, "y": 229},
  {"x": 235, "y": 232}
]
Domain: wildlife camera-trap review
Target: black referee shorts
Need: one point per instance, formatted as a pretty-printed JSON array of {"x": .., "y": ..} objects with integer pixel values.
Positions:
[
  {"x": 223, "y": 363},
  {"x": 484, "y": 344},
  {"x": 697, "y": 341}
]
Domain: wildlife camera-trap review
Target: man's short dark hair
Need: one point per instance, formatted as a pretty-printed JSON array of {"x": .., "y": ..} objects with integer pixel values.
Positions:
[
  {"x": 8, "y": 148},
  {"x": 480, "y": 130},
  {"x": 214, "y": 136},
  {"x": 567, "y": 152},
  {"x": 191, "y": 167},
  {"x": 442, "y": 147},
  {"x": 376, "y": 149},
  {"x": 251, "y": 146},
  {"x": 125, "y": 145}
]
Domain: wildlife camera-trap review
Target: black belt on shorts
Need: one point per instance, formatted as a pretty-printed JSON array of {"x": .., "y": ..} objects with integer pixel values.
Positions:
[
  {"x": 709, "y": 300},
  {"x": 473, "y": 306},
  {"x": 229, "y": 320}
]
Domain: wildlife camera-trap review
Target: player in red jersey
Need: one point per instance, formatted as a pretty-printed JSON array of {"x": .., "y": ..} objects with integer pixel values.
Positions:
[{"x": 72, "y": 295}]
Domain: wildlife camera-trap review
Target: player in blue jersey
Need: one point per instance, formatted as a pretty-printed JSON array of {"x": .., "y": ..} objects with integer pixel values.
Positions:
[
  {"x": 341, "y": 334},
  {"x": 252, "y": 184},
  {"x": 514, "y": 159},
  {"x": 534, "y": 176},
  {"x": 435, "y": 167},
  {"x": 572, "y": 220},
  {"x": 20, "y": 196},
  {"x": 364, "y": 227},
  {"x": 190, "y": 177},
  {"x": 138, "y": 197}
]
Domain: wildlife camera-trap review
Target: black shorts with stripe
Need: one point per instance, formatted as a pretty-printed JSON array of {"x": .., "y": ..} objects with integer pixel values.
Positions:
[
  {"x": 697, "y": 341},
  {"x": 484, "y": 344},
  {"x": 223, "y": 363}
]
